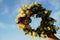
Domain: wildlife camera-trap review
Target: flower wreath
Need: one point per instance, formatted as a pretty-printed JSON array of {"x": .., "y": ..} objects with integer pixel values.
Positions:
[{"x": 46, "y": 27}]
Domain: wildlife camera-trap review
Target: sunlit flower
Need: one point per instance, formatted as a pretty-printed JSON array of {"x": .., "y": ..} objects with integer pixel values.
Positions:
[
  {"x": 31, "y": 5},
  {"x": 25, "y": 7},
  {"x": 34, "y": 34},
  {"x": 22, "y": 26},
  {"x": 24, "y": 19},
  {"x": 42, "y": 32},
  {"x": 27, "y": 12},
  {"x": 18, "y": 16},
  {"x": 29, "y": 33},
  {"x": 21, "y": 15},
  {"x": 16, "y": 20},
  {"x": 21, "y": 11},
  {"x": 46, "y": 12},
  {"x": 48, "y": 28},
  {"x": 42, "y": 35}
]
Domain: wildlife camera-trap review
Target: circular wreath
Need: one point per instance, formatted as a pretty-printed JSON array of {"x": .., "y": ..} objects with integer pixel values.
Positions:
[{"x": 46, "y": 26}]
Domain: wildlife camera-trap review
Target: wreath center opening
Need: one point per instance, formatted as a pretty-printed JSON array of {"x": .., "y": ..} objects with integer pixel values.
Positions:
[{"x": 35, "y": 22}]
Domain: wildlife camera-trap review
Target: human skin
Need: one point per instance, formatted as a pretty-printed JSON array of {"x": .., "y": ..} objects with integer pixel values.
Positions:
[{"x": 53, "y": 38}]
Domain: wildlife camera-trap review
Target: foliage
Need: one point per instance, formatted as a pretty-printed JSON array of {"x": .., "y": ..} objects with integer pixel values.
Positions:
[{"x": 46, "y": 26}]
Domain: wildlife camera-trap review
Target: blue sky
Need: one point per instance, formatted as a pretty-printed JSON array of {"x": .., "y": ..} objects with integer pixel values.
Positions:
[{"x": 9, "y": 10}]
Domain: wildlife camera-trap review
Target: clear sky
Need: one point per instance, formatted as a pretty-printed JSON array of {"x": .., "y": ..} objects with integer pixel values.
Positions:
[{"x": 9, "y": 10}]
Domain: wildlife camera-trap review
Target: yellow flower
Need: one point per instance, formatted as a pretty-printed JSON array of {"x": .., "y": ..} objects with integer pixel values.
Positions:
[
  {"x": 48, "y": 28},
  {"x": 46, "y": 12},
  {"x": 34, "y": 34},
  {"x": 31, "y": 5},
  {"x": 42, "y": 35},
  {"x": 29, "y": 33},
  {"x": 27, "y": 12},
  {"x": 25, "y": 7},
  {"x": 21, "y": 15},
  {"x": 43, "y": 32},
  {"x": 16, "y": 20},
  {"x": 21, "y": 26},
  {"x": 21, "y": 11},
  {"x": 18, "y": 16}
]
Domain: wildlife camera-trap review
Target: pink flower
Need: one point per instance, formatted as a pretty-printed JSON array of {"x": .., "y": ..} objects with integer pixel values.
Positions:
[{"x": 23, "y": 19}]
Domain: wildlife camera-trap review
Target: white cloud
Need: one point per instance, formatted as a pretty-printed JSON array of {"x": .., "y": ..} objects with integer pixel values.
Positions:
[
  {"x": 2, "y": 25},
  {"x": 56, "y": 15},
  {"x": 5, "y": 25},
  {"x": 5, "y": 11},
  {"x": 55, "y": 3}
]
